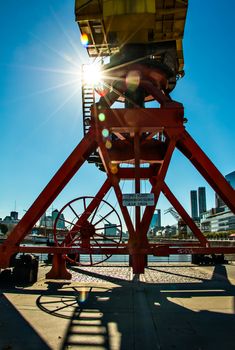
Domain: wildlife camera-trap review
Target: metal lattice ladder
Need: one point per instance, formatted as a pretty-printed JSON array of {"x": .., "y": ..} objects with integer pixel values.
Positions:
[{"x": 88, "y": 99}]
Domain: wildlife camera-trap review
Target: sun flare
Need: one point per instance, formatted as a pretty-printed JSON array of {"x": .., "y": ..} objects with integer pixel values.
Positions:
[{"x": 92, "y": 74}]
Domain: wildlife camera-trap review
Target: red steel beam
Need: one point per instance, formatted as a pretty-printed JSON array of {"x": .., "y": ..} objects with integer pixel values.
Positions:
[
  {"x": 165, "y": 251},
  {"x": 137, "y": 180},
  {"x": 151, "y": 151},
  {"x": 143, "y": 119},
  {"x": 157, "y": 93},
  {"x": 129, "y": 173},
  {"x": 203, "y": 164},
  {"x": 184, "y": 215},
  {"x": 158, "y": 250},
  {"x": 71, "y": 250},
  {"x": 138, "y": 261},
  {"x": 50, "y": 192},
  {"x": 176, "y": 243}
]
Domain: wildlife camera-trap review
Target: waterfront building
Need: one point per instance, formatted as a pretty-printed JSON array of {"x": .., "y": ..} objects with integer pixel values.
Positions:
[
  {"x": 61, "y": 221},
  {"x": 46, "y": 221},
  {"x": 155, "y": 223},
  {"x": 198, "y": 203},
  {"x": 10, "y": 220},
  {"x": 219, "y": 203},
  {"x": 156, "y": 219},
  {"x": 201, "y": 200},
  {"x": 231, "y": 178},
  {"x": 194, "y": 205},
  {"x": 49, "y": 220},
  {"x": 221, "y": 217},
  {"x": 214, "y": 221},
  {"x": 110, "y": 230},
  {"x": 14, "y": 215}
]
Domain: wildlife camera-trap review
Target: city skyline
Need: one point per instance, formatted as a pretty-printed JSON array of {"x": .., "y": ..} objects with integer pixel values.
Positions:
[{"x": 40, "y": 101}]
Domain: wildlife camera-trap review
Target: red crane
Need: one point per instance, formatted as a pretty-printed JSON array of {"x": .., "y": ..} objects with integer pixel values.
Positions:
[{"x": 145, "y": 62}]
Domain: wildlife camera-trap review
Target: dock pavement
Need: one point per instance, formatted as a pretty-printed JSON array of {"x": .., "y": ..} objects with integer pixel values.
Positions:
[{"x": 175, "y": 306}]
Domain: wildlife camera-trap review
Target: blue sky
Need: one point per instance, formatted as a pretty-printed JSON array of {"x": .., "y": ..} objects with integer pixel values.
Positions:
[{"x": 40, "y": 99}]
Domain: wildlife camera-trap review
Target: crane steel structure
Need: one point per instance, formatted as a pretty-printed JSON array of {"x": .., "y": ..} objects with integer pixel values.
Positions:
[
  {"x": 143, "y": 39},
  {"x": 182, "y": 227}
]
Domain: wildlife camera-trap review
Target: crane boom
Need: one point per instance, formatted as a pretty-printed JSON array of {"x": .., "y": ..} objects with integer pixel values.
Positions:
[
  {"x": 182, "y": 227},
  {"x": 173, "y": 212}
]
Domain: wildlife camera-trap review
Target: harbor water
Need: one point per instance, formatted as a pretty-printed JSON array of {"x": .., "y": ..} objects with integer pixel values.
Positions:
[{"x": 125, "y": 258}]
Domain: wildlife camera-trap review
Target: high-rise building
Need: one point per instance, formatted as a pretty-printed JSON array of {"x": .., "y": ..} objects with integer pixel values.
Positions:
[
  {"x": 156, "y": 219},
  {"x": 48, "y": 221},
  {"x": 194, "y": 207},
  {"x": 220, "y": 218},
  {"x": 231, "y": 178},
  {"x": 201, "y": 200},
  {"x": 14, "y": 215},
  {"x": 61, "y": 220},
  {"x": 219, "y": 203}
]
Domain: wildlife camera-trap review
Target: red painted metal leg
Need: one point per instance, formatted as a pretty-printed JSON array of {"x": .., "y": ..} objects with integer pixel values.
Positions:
[
  {"x": 138, "y": 263},
  {"x": 138, "y": 260},
  {"x": 184, "y": 215},
  {"x": 58, "y": 270},
  {"x": 137, "y": 179},
  {"x": 198, "y": 158},
  {"x": 51, "y": 191}
]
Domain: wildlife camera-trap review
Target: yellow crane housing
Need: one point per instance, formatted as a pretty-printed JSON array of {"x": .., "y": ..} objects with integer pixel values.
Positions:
[{"x": 112, "y": 24}]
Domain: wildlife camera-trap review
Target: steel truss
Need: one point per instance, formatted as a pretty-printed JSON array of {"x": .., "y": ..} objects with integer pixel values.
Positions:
[{"x": 135, "y": 135}]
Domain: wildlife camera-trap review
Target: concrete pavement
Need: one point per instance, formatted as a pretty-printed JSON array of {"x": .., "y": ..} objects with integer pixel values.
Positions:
[{"x": 120, "y": 314}]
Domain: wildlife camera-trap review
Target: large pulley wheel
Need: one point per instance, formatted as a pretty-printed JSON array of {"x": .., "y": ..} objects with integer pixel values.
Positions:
[{"x": 89, "y": 225}]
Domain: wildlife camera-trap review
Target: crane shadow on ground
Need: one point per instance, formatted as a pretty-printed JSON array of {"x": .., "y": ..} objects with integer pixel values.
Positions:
[{"x": 119, "y": 314}]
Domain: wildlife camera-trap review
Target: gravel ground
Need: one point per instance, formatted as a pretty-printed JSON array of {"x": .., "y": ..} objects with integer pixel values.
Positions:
[
  {"x": 175, "y": 274},
  {"x": 101, "y": 274},
  {"x": 153, "y": 274}
]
